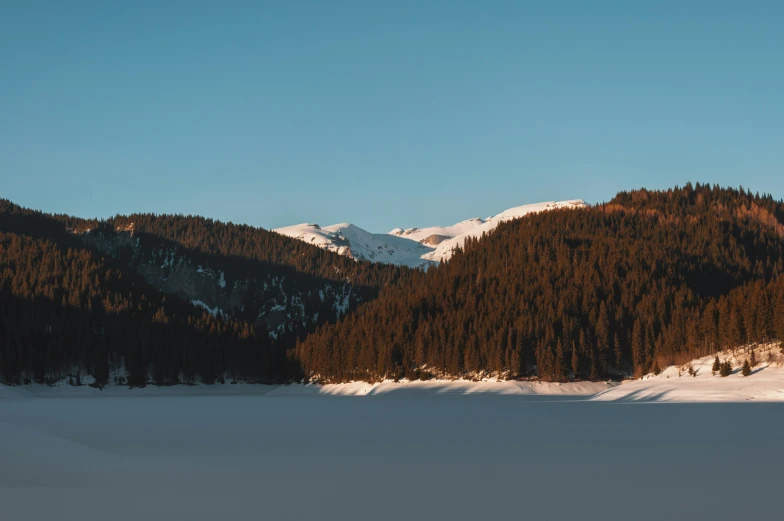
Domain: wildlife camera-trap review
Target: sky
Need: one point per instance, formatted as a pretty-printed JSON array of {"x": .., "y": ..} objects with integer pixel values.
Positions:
[{"x": 383, "y": 114}]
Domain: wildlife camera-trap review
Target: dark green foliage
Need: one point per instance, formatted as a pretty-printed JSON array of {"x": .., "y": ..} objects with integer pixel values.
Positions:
[
  {"x": 665, "y": 276},
  {"x": 725, "y": 369},
  {"x": 648, "y": 278},
  {"x": 746, "y": 371},
  {"x": 65, "y": 310},
  {"x": 200, "y": 234},
  {"x": 716, "y": 365},
  {"x": 66, "y": 307}
]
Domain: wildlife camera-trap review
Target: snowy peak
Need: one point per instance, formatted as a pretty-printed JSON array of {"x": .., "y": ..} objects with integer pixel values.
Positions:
[
  {"x": 415, "y": 247},
  {"x": 356, "y": 243},
  {"x": 317, "y": 236}
]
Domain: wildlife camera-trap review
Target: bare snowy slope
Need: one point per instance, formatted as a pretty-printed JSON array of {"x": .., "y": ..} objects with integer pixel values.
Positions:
[
  {"x": 352, "y": 241},
  {"x": 415, "y": 247}
]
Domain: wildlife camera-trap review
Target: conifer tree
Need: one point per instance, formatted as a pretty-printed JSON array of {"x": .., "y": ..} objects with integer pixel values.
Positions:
[
  {"x": 594, "y": 369},
  {"x": 638, "y": 344},
  {"x": 575, "y": 361},
  {"x": 746, "y": 371},
  {"x": 559, "y": 368}
]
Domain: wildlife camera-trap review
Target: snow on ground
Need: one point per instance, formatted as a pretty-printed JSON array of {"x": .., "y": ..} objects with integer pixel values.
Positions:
[
  {"x": 36, "y": 458},
  {"x": 453, "y": 387},
  {"x": 63, "y": 390},
  {"x": 425, "y": 457},
  {"x": 415, "y": 247},
  {"x": 387, "y": 387},
  {"x": 675, "y": 384}
]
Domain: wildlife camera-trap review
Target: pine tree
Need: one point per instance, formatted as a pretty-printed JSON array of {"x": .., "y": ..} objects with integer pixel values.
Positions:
[
  {"x": 746, "y": 371},
  {"x": 753, "y": 360},
  {"x": 594, "y": 369},
  {"x": 725, "y": 369},
  {"x": 638, "y": 344},
  {"x": 559, "y": 367},
  {"x": 716, "y": 365},
  {"x": 575, "y": 361}
]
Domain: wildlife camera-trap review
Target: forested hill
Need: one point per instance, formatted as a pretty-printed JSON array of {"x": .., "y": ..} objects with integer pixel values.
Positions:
[
  {"x": 649, "y": 278},
  {"x": 203, "y": 235},
  {"x": 166, "y": 298}
]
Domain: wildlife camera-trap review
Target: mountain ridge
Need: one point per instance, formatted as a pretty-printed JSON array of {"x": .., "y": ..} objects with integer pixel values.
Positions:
[
  {"x": 626, "y": 287},
  {"x": 413, "y": 247}
]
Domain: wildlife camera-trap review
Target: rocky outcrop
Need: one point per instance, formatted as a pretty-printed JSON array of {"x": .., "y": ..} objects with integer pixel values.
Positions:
[{"x": 435, "y": 239}]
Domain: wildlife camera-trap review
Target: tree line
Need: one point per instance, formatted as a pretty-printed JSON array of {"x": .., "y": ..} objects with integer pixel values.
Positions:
[
  {"x": 71, "y": 305},
  {"x": 652, "y": 277},
  {"x": 648, "y": 279}
]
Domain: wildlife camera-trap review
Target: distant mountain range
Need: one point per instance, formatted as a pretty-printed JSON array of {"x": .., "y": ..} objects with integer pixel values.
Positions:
[{"x": 414, "y": 247}]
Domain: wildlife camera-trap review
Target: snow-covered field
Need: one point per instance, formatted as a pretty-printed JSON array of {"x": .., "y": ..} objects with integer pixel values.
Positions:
[
  {"x": 417, "y": 450},
  {"x": 675, "y": 384},
  {"x": 386, "y": 388},
  {"x": 403, "y": 456},
  {"x": 453, "y": 387}
]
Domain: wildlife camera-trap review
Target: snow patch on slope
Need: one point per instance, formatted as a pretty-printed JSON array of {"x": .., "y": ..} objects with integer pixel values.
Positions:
[
  {"x": 420, "y": 234},
  {"x": 214, "y": 311}
]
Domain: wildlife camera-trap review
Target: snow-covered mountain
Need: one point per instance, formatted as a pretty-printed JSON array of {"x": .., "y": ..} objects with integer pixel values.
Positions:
[
  {"x": 415, "y": 247},
  {"x": 352, "y": 241}
]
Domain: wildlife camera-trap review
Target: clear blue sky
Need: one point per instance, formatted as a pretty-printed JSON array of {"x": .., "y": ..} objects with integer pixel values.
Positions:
[{"x": 382, "y": 113}]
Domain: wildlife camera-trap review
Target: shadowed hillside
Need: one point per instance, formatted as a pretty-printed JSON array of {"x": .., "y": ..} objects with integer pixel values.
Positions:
[{"x": 648, "y": 278}]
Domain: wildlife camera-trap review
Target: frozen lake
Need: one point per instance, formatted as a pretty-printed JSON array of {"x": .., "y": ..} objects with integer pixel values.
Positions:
[{"x": 386, "y": 457}]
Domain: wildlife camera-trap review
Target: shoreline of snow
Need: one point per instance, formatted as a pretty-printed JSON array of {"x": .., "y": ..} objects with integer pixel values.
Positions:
[
  {"x": 674, "y": 384},
  {"x": 387, "y": 387},
  {"x": 451, "y": 387}
]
